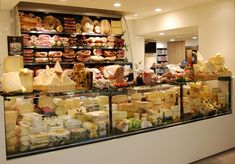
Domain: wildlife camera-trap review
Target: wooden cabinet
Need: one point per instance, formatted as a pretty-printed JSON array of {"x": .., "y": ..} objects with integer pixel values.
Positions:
[{"x": 176, "y": 52}]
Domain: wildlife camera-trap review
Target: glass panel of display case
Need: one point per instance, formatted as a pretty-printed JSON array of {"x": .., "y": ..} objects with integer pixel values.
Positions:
[
  {"x": 207, "y": 98},
  {"x": 38, "y": 122},
  {"x": 145, "y": 107}
]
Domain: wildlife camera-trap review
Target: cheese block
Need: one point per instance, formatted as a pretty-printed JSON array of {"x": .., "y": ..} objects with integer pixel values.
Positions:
[
  {"x": 10, "y": 126},
  {"x": 168, "y": 113},
  {"x": 58, "y": 101},
  {"x": 13, "y": 64},
  {"x": 116, "y": 23},
  {"x": 120, "y": 99},
  {"x": 78, "y": 133},
  {"x": 129, "y": 107},
  {"x": 11, "y": 101},
  {"x": 114, "y": 107},
  {"x": 46, "y": 101},
  {"x": 119, "y": 115},
  {"x": 143, "y": 105},
  {"x": 10, "y": 134},
  {"x": 12, "y": 141},
  {"x": 72, "y": 123},
  {"x": 102, "y": 100},
  {"x": 11, "y": 148},
  {"x": 58, "y": 137},
  {"x": 11, "y": 82},
  {"x": 68, "y": 103},
  {"x": 76, "y": 102},
  {"x": 136, "y": 97},
  {"x": 151, "y": 96},
  {"x": 88, "y": 101},
  {"x": 60, "y": 110},
  {"x": 97, "y": 116},
  {"x": 24, "y": 106},
  {"x": 26, "y": 78},
  {"x": 10, "y": 117},
  {"x": 117, "y": 30}
]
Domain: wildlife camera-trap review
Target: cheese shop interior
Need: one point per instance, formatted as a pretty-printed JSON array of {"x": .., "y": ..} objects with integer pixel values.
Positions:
[{"x": 124, "y": 113}]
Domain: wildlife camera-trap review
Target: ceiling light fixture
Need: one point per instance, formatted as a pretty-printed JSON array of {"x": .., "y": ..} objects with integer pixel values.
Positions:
[
  {"x": 117, "y": 4},
  {"x": 194, "y": 37},
  {"x": 135, "y": 15},
  {"x": 161, "y": 33},
  {"x": 158, "y": 9},
  {"x": 172, "y": 40},
  {"x": 63, "y": 0}
]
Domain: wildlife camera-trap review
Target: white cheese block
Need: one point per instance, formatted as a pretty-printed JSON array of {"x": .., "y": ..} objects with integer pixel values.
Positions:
[
  {"x": 66, "y": 81},
  {"x": 11, "y": 82},
  {"x": 90, "y": 126},
  {"x": 60, "y": 110},
  {"x": 102, "y": 100},
  {"x": 97, "y": 116},
  {"x": 13, "y": 64},
  {"x": 68, "y": 103},
  {"x": 24, "y": 107}
]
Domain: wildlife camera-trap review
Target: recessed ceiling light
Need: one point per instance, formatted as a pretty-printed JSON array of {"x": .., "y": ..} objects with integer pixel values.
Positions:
[
  {"x": 172, "y": 40},
  {"x": 158, "y": 9},
  {"x": 63, "y": 0},
  {"x": 135, "y": 15},
  {"x": 117, "y": 4},
  {"x": 194, "y": 37},
  {"x": 138, "y": 37},
  {"x": 161, "y": 33}
]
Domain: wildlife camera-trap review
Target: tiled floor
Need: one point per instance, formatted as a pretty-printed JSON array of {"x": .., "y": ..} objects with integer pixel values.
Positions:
[{"x": 227, "y": 157}]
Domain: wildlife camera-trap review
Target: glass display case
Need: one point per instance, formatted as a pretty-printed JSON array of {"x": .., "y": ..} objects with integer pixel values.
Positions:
[{"x": 40, "y": 122}]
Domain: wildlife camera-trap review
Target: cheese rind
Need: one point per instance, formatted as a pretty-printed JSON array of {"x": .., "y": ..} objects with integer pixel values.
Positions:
[
  {"x": 11, "y": 82},
  {"x": 13, "y": 64}
]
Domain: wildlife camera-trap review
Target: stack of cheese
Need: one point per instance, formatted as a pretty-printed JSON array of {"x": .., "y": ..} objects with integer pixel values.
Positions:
[
  {"x": 38, "y": 136},
  {"x": 157, "y": 98},
  {"x": 11, "y": 137},
  {"x": 53, "y": 80},
  {"x": 23, "y": 134},
  {"x": 170, "y": 98},
  {"x": 219, "y": 96}
]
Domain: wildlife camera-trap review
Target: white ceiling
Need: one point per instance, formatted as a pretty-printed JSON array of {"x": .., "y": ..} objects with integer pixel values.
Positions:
[{"x": 143, "y": 8}]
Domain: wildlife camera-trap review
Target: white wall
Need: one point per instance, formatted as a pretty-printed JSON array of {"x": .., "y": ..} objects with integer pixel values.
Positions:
[
  {"x": 136, "y": 45},
  {"x": 215, "y": 21},
  {"x": 5, "y": 30},
  {"x": 149, "y": 59}
]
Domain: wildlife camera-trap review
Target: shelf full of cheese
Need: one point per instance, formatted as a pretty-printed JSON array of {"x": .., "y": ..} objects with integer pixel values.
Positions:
[
  {"x": 36, "y": 123},
  {"x": 69, "y": 38}
]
